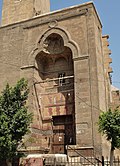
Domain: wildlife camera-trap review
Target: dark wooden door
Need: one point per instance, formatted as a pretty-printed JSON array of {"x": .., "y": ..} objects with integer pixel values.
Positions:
[
  {"x": 63, "y": 133},
  {"x": 69, "y": 134},
  {"x": 59, "y": 139}
]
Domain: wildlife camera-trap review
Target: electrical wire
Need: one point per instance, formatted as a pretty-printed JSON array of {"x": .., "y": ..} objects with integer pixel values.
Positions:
[
  {"x": 13, "y": 65},
  {"x": 91, "y": 106}
]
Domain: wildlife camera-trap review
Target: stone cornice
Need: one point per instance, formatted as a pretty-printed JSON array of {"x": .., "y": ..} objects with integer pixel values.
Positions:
[{"x": 59, "y": 15}]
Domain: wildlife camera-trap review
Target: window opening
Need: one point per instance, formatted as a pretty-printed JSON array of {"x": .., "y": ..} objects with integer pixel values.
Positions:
[{"x": 61, "y": 78}]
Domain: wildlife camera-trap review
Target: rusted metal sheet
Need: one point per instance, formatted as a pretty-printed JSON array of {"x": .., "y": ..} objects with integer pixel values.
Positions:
[{"x": 32, "y": 162}]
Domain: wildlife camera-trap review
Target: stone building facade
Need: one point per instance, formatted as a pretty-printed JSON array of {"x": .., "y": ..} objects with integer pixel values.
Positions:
[{"x": 65, "y": 59}]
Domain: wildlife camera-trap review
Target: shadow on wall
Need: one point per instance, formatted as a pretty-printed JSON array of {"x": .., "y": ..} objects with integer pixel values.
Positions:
[{"x": 54, "y": 87}]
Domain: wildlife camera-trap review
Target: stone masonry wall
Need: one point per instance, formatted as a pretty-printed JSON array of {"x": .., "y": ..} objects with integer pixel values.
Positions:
[
  {"x": 19, "y": 44},
  {"x": 18, "y": 10}
]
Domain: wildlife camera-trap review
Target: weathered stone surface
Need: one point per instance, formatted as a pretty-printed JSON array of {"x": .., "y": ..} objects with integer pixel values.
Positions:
[
  {"x": 19, "y": 10},
  {"x": 63, "y": 57}
]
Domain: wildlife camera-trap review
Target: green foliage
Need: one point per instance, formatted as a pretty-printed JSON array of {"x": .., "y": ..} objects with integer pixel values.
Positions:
[
  {"x": 109, "y": 125},
  {"x": 14, "y": 119}
]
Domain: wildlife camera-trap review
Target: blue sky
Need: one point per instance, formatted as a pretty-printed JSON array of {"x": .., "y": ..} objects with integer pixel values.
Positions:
[{"x": 109, "y": 12}]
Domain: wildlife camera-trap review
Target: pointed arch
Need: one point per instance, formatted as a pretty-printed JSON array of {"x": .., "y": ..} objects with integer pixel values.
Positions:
[{"x": 68, "y": 42}]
